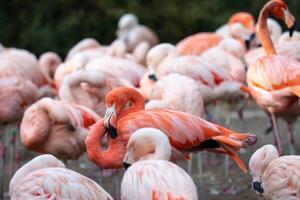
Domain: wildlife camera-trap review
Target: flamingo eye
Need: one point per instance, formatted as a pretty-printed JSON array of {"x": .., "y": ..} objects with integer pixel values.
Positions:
[{"x": 128, "y": 105}]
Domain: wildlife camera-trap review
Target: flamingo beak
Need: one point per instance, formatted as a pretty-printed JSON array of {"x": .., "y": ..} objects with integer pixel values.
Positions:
[
  {"x": 289, "y": 20},
  {"x": 152, "y": 77},
  {"x": 126, "y": 165},
  {"x": 257, "y": 187},
  {"x": 248, "y": 41},
  {"x": 109, "y": 115}
]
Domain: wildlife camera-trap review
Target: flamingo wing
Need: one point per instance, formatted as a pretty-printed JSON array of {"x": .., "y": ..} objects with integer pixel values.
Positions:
[
  {"x": 58, "y": 183},
  {"x": 275, "y": 73},
  {"x": 198, "y": 43},
  {"x": 188, "y": 132}
]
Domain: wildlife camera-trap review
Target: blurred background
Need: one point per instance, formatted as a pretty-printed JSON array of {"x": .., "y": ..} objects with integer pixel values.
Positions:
[{"x": 57, "y": 25}]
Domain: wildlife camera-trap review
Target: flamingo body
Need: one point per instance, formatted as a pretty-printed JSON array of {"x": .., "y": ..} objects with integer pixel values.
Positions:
[{"x": 157, "y": 179}]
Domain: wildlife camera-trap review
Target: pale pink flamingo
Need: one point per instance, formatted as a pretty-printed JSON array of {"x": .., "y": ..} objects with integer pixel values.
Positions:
[
  {"x": 45, "y": 177},
  {"x": 151, "y": 175},
  {"x": 83, "y": 45},
  {"x": 132, "y": 33},
  {"x": 222, "y": 58},
  {"x": 274, "y": 79},
  {"x": 181, "y": 93},
  {"x": 177, "y": 92},
  {"x": 215, "y": 82},
  {"x": 77, "y": 62},
  {"x": 126, "y": 71},
  {"x": 22, "y": 64},
  {"x": 15, "y": 96},
  {"x": 233, "y": 47},
  {"x": 275, "y": 177},
  {"x": 88, "y": 88},
  {"x": 147, "y": 84},
  {"x": 118, "y": 49},
  {"x": 125, "y": 114},
  {"x": 48, "y": 62},
  {"x": 56, "y": 127}
]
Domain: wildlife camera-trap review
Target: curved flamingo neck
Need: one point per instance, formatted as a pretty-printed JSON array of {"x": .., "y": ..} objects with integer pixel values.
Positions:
[
  {"x": 109, "y": 158},
  {"x": 138, "y": 102},
  {"x": 263, "y": 31}
]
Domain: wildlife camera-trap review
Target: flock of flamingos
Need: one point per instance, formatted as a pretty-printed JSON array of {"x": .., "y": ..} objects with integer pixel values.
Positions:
[{"x": 139, "y": 104}]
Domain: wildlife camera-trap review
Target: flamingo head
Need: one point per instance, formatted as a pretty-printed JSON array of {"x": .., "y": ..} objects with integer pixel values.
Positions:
[
  {"x": 281, "y": 11},
  {"x": 120, "y": 101},
  {"x": 147, "y": 144},
  {"x": 258, "y": 163},
  {"x": 157, "y": 55},
  {"x": 126, "y": 22}
]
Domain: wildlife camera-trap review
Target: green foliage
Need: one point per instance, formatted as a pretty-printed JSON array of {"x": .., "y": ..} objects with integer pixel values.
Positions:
[{"x": 56, "y": 25}]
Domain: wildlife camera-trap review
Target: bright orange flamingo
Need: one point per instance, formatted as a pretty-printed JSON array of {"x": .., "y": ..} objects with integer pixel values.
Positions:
[
  {"x": 125, "y": 114},
  {"x": 274, "y": 80}
]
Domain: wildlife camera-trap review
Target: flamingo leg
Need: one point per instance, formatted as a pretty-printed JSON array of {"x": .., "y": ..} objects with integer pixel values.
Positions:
[
  {"x": 291, "y": 138},
  {"x": 200, "y": 168},
  {"x": 226, "y": 161},
  {"x": 2, "y": 151},
  {"x": 190, "y": 165},
  {"x": 240, "y": 113},
  {"x": 269, "y": 129},
  {"x": 278, "y": 142},
  {"x": 226, "y": 164}
]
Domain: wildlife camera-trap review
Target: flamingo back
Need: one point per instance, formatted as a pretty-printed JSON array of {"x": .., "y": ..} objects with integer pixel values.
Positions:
[
  {"x": 157, "y": 179},
  {"x": 58, "y": 183}
]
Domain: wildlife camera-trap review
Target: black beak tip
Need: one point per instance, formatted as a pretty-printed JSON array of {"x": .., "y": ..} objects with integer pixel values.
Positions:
[
  {"x": 257, "y": 187},
  {"x": 247, "y": 43},
  {"x": 112, "y": 131},
  {"x": 126, "y": 165},
  {"x": 291, "y": 30},
  {"x": 152, "y": 77}
]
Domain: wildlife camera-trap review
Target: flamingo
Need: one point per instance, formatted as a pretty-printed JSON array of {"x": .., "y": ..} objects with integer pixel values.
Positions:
[
  {"x": 56, "y": 127},
  {"x": 273, "y": 79},
  {"x": 177, "y": 92},
  {"x": 150, "y": 175},
  {"x": 132, "y": 33},
  {"x": 186, "y": 132},
  {"x": 233, "y": 47},
  {"x": 15, "y": 96},
  {"x": 215, "y": 82},
  {"x": 240, "y": 27},
  {"x": 123, "y": 69},
  {"x": 220, "y": 57},
  {"x": 45, "y": 177},
  {"x": 118, "y": 49},
  {"x": 126, "y": 71},
  {"x": 88, "y": 88},
  {"x": 275, "y": 177},
  {"x": 48, "y": 62},
  {"x": 22, "y": 64},
  {"x": 83, "y": 45}
]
